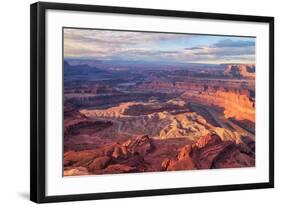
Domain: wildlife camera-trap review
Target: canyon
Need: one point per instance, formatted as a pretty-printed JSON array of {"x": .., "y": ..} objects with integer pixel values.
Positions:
[{"x": 124, "y": 121}]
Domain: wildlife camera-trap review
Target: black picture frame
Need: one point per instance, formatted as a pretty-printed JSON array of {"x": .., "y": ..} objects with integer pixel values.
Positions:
[{"x": 38, "y": 100}]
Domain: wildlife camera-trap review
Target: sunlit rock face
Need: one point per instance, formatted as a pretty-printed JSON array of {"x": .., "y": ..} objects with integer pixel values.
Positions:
[
  {"x": 153, "y": 119},
  {"x": 211, "y": 152},
  {"x": 238, "y": 104},
  {"x": 240, "y": 70}
]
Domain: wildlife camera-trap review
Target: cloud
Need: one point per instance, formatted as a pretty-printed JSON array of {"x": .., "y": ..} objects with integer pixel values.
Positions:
[
  {"x": 232, "y": 43},
  {"x": 194, "y": 48},
  {"x": 100, "y": 42},
  {"x": 106, "y": 44},
  {"x": 214, "y": 54}
]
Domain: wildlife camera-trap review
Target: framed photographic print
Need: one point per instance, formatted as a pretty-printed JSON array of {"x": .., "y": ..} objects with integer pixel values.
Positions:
[{"x": 129, "y": 102}]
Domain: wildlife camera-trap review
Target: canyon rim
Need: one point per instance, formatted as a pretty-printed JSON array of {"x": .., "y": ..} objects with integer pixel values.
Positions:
[{"x": 148, "y": 102}]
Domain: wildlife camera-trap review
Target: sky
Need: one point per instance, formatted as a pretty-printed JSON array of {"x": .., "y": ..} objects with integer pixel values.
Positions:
[{"x": 157, "y": 47}]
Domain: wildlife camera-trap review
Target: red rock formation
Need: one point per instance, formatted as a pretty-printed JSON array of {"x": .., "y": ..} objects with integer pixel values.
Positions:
[
  {"x": 183, "y": 161},
  {"x": 136, "y": 155},
  {"x": 211, "y": 152},
  {"x": 141, "y": 145},
  {"x": 114, "y": 158}
]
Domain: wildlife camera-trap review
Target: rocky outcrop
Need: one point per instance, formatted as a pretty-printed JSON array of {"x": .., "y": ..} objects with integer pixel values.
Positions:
[
  {"x": 211, "y": 152},
  {"x": 141, "y": 145},
  {"x": 138, "y": 155},
  {"x": 115, "y": 158},
  {"x": 240, "y": 70}
]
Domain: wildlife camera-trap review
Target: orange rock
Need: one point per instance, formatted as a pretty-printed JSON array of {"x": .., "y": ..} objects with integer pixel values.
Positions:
[
  {"x": 184, "y": 152},
  {"x": 207, "y": 140},
  {"x": 76, "y": 171},
  {"x": 236, "y": 104},
  {"x": 165, "y": 163}
]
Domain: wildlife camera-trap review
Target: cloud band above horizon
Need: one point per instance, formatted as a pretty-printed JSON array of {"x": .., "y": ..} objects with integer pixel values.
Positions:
[{"x": 164, "y": 47}]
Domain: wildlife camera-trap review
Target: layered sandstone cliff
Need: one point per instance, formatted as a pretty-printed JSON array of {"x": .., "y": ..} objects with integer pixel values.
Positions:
[{"x": 238, "y": 104}]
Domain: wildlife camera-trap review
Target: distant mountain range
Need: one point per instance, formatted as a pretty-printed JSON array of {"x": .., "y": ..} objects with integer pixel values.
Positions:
[
  {"x": 83, "y": 66},
  {"x": 145, "y": 65}
]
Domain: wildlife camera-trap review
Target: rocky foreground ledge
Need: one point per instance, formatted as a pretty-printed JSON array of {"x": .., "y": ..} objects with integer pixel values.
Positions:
[
  {"x": 211, "y": 152},
  {"x": 208, "y": 152}
]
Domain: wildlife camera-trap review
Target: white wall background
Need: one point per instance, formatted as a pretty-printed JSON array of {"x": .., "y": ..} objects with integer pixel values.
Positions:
[{"x": 14, "y": 101}]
